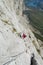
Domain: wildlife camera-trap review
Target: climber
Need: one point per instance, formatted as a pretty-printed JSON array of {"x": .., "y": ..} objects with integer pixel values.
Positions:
[
  {"x": 33, "y": 61},
  {"x": 23, "y": 35}
]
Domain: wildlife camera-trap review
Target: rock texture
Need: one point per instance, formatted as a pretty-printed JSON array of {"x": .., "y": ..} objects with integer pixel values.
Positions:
[{"x": 14, "y": 48}]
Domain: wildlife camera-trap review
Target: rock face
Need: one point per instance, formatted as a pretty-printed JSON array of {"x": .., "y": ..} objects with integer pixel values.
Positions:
[{"x": 17, "y": 42}]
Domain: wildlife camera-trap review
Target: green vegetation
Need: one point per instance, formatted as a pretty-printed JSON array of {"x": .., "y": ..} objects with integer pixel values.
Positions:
[
  {"x": 38, "y": 36},
  {"x": 38, "y": 51},
  {"x": 36, "y": 20},
  {"x": 6, "y": 22},
  {"x": 14, "y": 30}
]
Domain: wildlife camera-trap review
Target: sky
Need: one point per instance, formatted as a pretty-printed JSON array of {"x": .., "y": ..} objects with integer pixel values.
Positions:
[{"x": 34, "y": 3}]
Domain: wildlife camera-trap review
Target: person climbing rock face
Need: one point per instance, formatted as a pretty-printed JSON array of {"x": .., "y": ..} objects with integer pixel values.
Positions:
[
  {"x": 24, "y": 36},
  {"x": 33, "y": 61}
]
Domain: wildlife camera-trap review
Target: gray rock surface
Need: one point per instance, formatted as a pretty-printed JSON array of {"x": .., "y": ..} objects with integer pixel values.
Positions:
[{"x": 14, "y": 49}]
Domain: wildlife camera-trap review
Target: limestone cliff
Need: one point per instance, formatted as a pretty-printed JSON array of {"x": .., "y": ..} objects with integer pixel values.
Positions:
[{"x": 17, "y": 42}]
